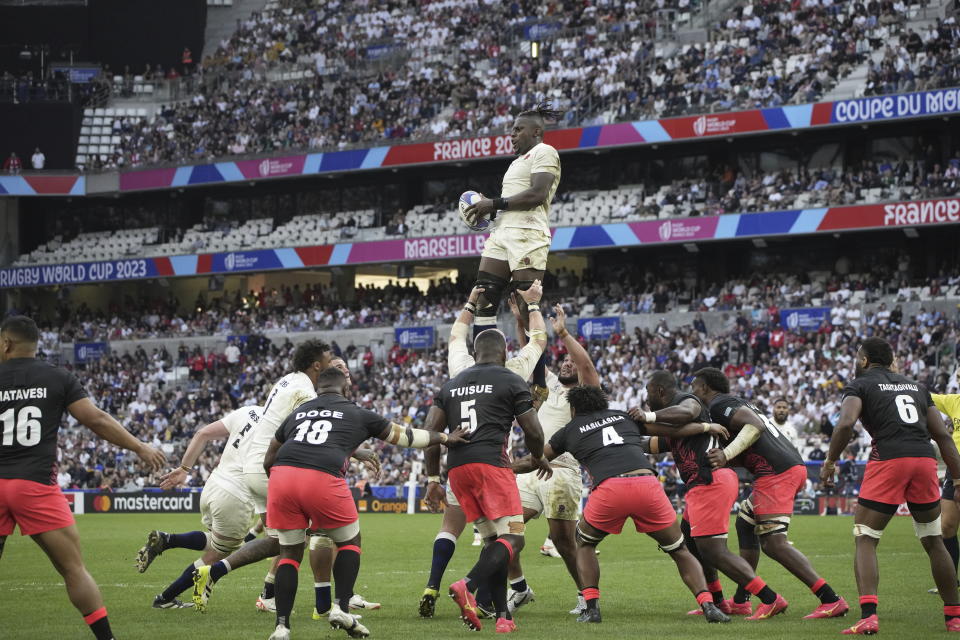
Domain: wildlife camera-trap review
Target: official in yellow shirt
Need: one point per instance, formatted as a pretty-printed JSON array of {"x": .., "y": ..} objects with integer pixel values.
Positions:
[{"x": 950, "y": 515}]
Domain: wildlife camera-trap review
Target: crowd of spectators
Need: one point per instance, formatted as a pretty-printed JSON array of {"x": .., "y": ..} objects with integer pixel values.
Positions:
[
  {"x": 378, "y": 72},
  {"x": 919, "y": 60},
  {"x": 609, "y": 289},
  {"x": 763, "y": 360}
]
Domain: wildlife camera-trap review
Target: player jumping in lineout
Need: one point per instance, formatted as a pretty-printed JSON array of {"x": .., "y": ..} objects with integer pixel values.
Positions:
[{"x": 516, "y": 252}]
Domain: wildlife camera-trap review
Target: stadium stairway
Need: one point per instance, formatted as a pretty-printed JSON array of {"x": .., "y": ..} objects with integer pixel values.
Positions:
[
  {"x": 222, "y": 20},
  {"x": 852, "y": 86}
]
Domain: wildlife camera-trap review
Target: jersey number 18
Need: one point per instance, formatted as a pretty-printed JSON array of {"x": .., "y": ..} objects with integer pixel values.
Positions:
[{"x": 313, "y": 431}]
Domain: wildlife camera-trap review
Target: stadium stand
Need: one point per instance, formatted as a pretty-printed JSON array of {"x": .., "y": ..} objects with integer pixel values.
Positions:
[{"x": 298, "y": 77}]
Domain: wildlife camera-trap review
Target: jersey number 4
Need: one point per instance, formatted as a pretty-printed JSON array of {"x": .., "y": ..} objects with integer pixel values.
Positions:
[
  {"x": 313, "y": 431},
  {"x": 610, "y": 436},
  {"x": 25, "y": 429}
]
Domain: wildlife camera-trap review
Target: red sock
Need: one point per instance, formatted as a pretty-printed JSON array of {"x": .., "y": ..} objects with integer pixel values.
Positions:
[
  {"x": 868, "y": 606},
  {"x": 951, "y": 611},
  {"x": 591, "y": 593},
  {"x": 817, "y": 585},
  {"x": 99, "y": 624},
  {"x": 704, "y": 596}
]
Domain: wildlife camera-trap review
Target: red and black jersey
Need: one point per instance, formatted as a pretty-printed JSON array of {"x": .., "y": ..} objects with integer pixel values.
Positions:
[
  {"x": 324, "y": 432},
  {"x": 33, "y": 397},
  {"x": 483, "y": 399},
  {"x": 607, "y": 443},
  {"x": 894, "y": 413},
  {"x": 772, "y": 453},
  {"x": 690, "y": 454}
]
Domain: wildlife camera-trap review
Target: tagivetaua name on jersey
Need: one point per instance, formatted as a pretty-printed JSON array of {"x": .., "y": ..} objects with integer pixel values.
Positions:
[{"x": 897, "y": 387}]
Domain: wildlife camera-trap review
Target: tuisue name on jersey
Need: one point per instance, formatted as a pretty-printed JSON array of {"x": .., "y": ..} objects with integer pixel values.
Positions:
[
  {"x": 471, "y": 390},
  {"x": 897, "y": 387},
  {"x": 12, "y": 395},
  {"x": 600, "y": 423}
]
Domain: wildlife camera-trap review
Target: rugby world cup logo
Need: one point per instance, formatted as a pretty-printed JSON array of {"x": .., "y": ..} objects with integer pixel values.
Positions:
[
  {"x": 793, "y": 320},
  {"x": 665, "y": 230},
  {"x": 404, "y": 338},
  {"x": 230, "y": 261},
  {"x": 587, "y": 329},
  {"x": 264, "y": 168},
  {"x": 700, "y": 126},
  {"x": 101, "y": 503},
  {"x": 82, "y": 353}
]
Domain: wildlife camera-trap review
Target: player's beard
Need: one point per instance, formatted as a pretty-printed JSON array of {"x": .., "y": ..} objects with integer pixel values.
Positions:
[
  {"x": 567, "y": 380},
  {"x": 858, "y": 370}
]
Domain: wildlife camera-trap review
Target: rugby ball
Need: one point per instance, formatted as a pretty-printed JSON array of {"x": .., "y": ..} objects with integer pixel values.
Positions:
[{"x": 467, "y": 199}]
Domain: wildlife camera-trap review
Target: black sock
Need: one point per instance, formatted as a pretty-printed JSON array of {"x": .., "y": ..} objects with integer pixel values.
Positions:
[
  {"x": 99, "y": 625},
  {"x": 518, "y": 584},
  {"x": 181, "y": 584},
  {"x": 592, "y": 597},
  {"x": 196, "y": 540},
  {"x": 482, "y": 323},
  {"x": 443, "y": 549},
  {"x": 493, "y": 556},
  {"x": 345, "y": 570},
  {"x": 219, "y": 569},
  {"x": 286, "y": 587},
  {"x": 250, "y": 536},
  {"x": 826, "y": 594},
  {"x": 953, "y": 548},
  {"x": 269, "y": 589},
  {"x": 767, "y": 595},
  {"x": 498, "y": 589},
  {"x": 868, "y": 609},
  {"x": 321, "y": 591},
  {"x": 484, "y": 597},
  {"x": 741, "y": 596}
]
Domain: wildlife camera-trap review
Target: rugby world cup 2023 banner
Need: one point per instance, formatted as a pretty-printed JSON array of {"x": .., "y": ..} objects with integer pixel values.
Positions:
[{"x": 622, "y": 234}]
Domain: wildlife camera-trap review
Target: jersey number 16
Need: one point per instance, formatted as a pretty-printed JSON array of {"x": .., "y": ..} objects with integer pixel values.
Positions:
[{"x": 25, "y": 429}]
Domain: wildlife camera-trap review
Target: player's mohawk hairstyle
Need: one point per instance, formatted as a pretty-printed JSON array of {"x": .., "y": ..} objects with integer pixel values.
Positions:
[{"x": 543, "y": 111}]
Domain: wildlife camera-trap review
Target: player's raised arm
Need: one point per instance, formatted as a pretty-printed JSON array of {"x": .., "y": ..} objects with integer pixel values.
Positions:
[
  {"x": 525, "y": 362},
  {"x": 458, "y": 358},
  {"x": 850, "y": 410},
  {"x": 586, "y": 370},
  {"x": 213, "y": 431},
  {"x": 105, "y": 426}
]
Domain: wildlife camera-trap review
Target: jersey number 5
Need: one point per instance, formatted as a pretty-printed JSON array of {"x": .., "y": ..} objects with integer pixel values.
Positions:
[
  {"x": 468, "y": 415},
  {"x": 26, "y": 428},
  {"x": 313, "y": 431},
  {"x": 610, "y": 436}
]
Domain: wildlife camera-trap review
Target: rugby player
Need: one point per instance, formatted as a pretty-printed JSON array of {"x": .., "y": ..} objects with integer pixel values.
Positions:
[
  {"x": 711, "y": 493},
  {"x": 33, "y": 397},
  {"x": 309, "y": 359},
  {"x": 516, "y": 252},
  {"x": 779, "y": 475},
  {"x": 306, "y": 461},
  {"x": 559, "y": 497},
  {"x": 226, "y": 508},
  {"x": 485, "y": 399},
  {"x": 624, "y": 485},
  {"x": 900, "y": 416},
  {"x": 459, "y": 359}
]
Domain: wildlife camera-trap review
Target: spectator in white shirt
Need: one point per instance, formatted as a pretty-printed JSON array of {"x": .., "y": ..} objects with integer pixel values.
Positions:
[
  {"x": 38, "y": 159},
  {"x": 232, "y": 354},
  {"x": 781, "y": 418}
]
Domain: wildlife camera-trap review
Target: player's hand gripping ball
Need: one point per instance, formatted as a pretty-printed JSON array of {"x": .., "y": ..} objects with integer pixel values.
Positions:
[{"x": 467, "y": 200}]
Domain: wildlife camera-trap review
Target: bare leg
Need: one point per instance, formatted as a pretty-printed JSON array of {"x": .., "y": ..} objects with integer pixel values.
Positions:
[
  {"x": 564, "y": 536},
  {"x": 62, "y": 546}
]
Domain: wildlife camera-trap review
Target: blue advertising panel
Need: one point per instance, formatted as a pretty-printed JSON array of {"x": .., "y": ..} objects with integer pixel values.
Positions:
[
  {"x": 804, "y": 319},
  {"x": 89, "y": 351},
  {"x": 414, "y": 337},
  {"x": 598, "y": 328}
]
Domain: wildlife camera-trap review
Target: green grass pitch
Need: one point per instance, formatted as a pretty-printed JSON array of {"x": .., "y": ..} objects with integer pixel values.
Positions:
[{"x": 642, "y": 596}]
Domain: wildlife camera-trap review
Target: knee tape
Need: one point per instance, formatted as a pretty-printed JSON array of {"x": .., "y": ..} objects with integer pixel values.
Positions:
[
  {"x": 320, "y": 542},
  {"x": 864, "y": 530},
  {"x": 927, "y": 529},
  {"x": 746, "y": 532},
  {"x": 493, "y": 288},
  {"x": 589, "y": 539},
  {"x": 745, "y": 512},
  {"x": 673, "y": 546},
  {"x": 223, "y": 545},
  {"x": 772, "y": 525}
]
